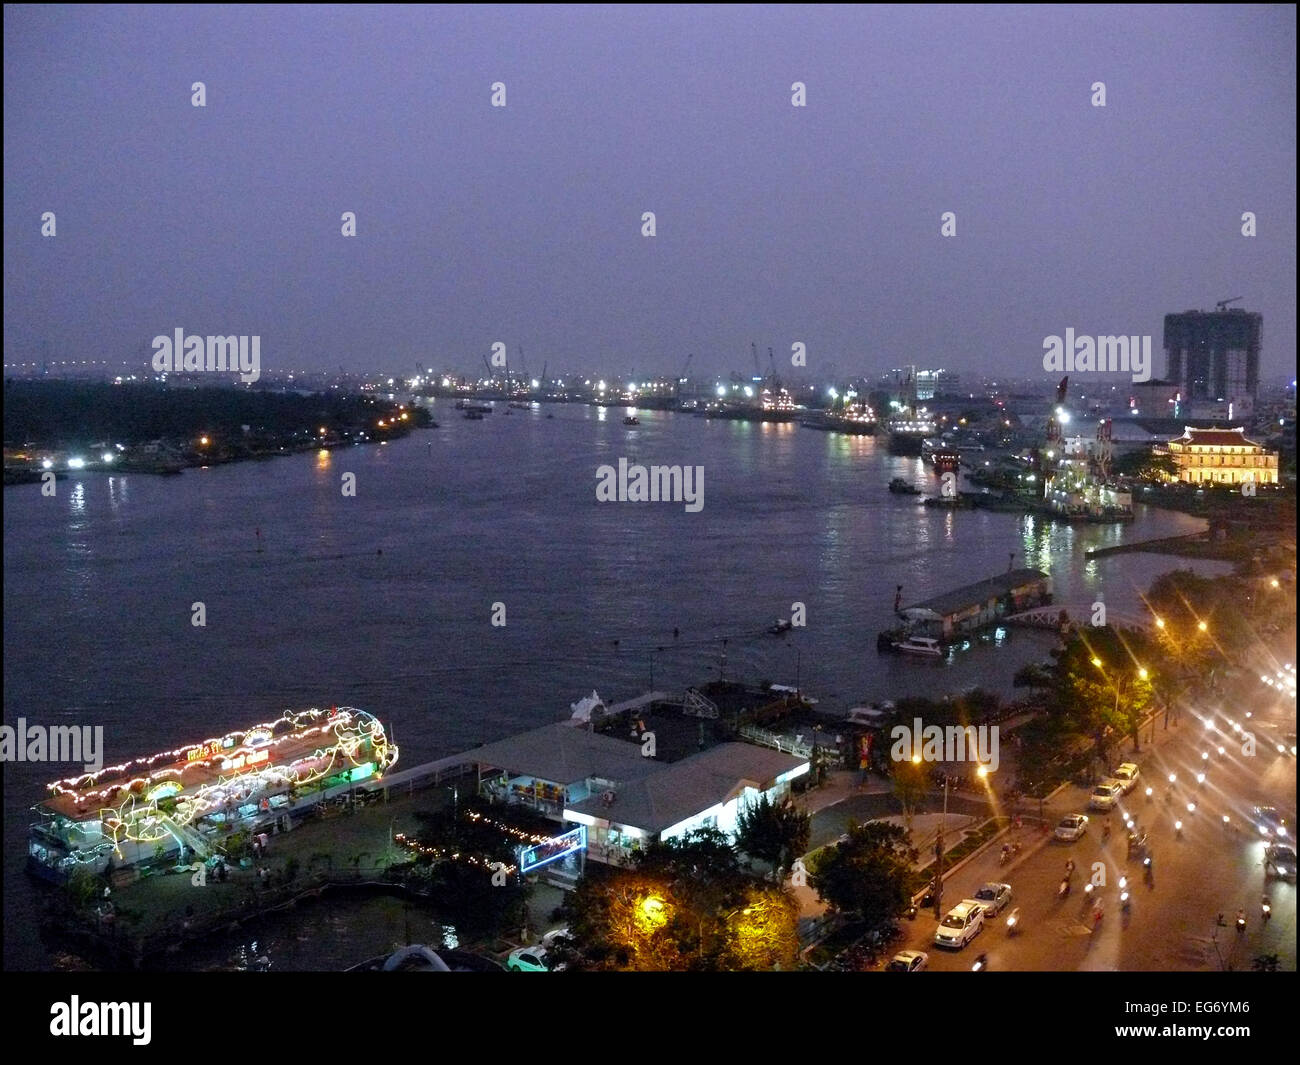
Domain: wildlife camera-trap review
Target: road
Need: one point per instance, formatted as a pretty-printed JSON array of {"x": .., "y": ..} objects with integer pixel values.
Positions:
[{"x": 1208, "y": 870}]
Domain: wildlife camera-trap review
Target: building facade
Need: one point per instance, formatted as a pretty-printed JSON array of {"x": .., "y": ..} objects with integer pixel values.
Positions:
[{"x": 1220, "y": 456}]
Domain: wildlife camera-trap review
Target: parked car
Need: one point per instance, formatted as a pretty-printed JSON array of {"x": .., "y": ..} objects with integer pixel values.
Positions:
[
  {"x": 1280, "y": 861},
  {"x": 1105, "y": 795},
  {"x": 962, "y": 924},
  {"x": 994, "y": 897},
  {"x": 1072, "y": 827},
  {"x": 529, "y": 960},
  {"x": 908, "y": 961},
  {"x": 1270, "y": 822},
  {"x": 1127, "y": 775}
]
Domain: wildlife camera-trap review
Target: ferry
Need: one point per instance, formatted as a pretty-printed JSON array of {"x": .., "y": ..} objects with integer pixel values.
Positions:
[{"x": 908, "y": 433}]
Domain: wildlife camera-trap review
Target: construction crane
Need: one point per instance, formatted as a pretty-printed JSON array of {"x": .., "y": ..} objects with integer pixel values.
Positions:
[
  {"x": 1222, "y": 304},
  {"x": 758, "y": 370},
  {"x": 542, "y": 379},
  {"x": 677, "y": 388}
]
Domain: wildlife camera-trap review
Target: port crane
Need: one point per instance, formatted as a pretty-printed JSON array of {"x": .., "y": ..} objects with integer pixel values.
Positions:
[
  {"x": 1222, "y": 304},
  {"x": 677, "y": 389}
]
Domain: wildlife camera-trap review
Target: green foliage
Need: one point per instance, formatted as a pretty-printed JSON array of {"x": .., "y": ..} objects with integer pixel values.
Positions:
[
  {"x": 685, "y": 904},
  {"x": 773, "y": 832},
  {"x": 868, "y": 875}
]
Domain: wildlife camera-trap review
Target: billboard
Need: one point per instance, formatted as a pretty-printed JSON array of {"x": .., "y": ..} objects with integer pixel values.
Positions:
[{"x": 533, "y": 858}]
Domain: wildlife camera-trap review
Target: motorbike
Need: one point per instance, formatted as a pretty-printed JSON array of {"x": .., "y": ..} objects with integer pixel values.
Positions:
[
  {"x": 1005, "y": 856},
  {"x": 1013, "y": 921},
  {"x": 1265, "y": 908},
  {"x": 1241, "y": 921},
  {"x": 981, "y": 963},
  {"x": 1097, "y": 914},
  {"x": 1123, "y": 901},
  {"x": 1064, "y": 889}
]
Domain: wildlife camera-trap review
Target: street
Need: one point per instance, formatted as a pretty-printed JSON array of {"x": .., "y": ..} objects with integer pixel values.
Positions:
[{"x": 1210, "y": 869}]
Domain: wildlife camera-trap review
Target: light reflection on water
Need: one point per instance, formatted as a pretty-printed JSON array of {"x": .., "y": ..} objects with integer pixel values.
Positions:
[{"x": 383, "y": 600}]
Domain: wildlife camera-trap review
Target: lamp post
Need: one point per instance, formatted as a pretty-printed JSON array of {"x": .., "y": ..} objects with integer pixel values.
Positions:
[{"x": 938, "y": 854}]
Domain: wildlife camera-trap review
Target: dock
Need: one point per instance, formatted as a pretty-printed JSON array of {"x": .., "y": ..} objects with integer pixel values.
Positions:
[{"x": 968, "y": 609}]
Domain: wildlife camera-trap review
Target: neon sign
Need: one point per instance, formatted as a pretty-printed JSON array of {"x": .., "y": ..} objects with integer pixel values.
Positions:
[
  {"x": 555, "y": 848},
  {"x": 243, "y": 760}
]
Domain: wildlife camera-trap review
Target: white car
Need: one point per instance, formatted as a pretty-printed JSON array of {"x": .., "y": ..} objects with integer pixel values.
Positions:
[
  {"x": 964, "y": 922},
  {"x": 1127, "y": 776},
  {"x": 1105, "y": 795},
  {"x": 993, "y": 897},
  {"x": 908, "y": 961},
  {"x": 1072, "y": 828}
]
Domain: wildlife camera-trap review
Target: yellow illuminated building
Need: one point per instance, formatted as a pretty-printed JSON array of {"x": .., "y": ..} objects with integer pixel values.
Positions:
[{"x": 1220, "y": 456}]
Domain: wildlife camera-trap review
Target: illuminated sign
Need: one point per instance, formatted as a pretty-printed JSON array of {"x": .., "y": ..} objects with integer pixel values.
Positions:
[
  {"x": 165, "y": 790},
  {"x": 250, "y": 758},
  {"x": 555, "y": 848},
  {"x": 203, "y": 750}
]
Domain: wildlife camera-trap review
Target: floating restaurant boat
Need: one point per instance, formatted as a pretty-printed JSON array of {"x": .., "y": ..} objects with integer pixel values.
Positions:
[{"x": 191, "y": 800}]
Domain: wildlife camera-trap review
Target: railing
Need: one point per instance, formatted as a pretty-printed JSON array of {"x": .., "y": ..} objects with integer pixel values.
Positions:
[{"x": 775, "y": 740}]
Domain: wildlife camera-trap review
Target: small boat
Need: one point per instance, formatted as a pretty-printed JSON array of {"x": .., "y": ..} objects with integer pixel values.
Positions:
[
  {"x": 902, "y": 487},
  {"x": 473, "y": 416},
  {"x": 919, "y": 645},
  {"x": 631, "y": 419},
  {"x": 780, "y": 625}
]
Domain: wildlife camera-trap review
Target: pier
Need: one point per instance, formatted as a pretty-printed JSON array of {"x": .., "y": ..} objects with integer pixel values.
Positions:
[{"x": 972, "y": 607}]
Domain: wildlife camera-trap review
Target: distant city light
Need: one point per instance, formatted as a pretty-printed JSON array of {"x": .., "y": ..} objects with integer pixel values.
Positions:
[{"x": 107, "y": 456}]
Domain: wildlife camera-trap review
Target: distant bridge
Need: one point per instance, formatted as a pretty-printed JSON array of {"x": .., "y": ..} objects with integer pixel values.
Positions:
[{"x": 1079, "y": 615}]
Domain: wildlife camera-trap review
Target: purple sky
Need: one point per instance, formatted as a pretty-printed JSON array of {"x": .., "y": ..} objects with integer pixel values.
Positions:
[{"x": 522, "y": 224}]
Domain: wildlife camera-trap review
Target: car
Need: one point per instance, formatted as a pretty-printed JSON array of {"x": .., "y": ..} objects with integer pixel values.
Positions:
[
  {"x": 528, "y": 960},
  {"x": 1279, "y": 861},
  {"x": 1127, "y": 775},
  {"x": 964, "y": 922},
  {"x": 1072, "y": 827},
  {"x": 908, "y": 961},
  {"x": 1270, "y": 822},
  {"x": 994, "y": 897},
  {"x": 1105, "y": 795}
]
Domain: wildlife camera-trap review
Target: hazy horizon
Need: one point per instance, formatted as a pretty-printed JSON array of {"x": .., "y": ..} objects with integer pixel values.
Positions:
[{"x": 522, "y": 224}]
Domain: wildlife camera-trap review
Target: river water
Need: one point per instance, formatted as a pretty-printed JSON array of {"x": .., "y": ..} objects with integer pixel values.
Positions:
[{"x": 385, "y": 600}]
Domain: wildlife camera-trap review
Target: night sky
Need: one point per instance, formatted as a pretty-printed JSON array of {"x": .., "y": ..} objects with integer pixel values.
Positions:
[{"x": 522, "y": 224}]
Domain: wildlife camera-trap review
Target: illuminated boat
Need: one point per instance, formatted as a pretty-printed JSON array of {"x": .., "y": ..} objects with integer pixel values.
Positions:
[{"x": 188, "y": 802}]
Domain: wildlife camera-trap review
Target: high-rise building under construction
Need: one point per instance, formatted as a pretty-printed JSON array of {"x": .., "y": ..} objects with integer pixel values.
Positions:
[{"x": 1213, "y": 357}]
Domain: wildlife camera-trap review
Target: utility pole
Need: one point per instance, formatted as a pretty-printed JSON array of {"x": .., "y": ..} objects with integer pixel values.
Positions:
[{"x": 938, "y": 854}]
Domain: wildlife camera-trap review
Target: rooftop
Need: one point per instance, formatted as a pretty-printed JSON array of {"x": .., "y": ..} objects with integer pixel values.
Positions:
[
  {"x": 981, "y": 592},
  {"x": 564, "y": 754},
  {"x": 1215, "y": 437},
  {"x": 674, "y": 793}
]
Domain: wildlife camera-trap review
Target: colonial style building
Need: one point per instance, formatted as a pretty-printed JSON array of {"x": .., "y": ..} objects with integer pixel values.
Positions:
[{"x": 1220, "y": 456}]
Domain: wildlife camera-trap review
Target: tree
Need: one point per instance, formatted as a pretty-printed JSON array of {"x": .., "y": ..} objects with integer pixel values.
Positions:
[
  {"x": 685, "y": 904},
  {"x": 773, "y": 832},
  {"x": 910, "y": 786},
  {"x": 869, "y": 875}
]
